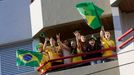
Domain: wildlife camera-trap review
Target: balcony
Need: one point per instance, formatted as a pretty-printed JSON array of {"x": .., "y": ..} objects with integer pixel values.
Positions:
[{"x": 50, "y": 13}]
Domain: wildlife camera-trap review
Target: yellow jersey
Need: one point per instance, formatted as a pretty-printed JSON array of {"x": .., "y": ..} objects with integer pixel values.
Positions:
[
  {"x": 77, "y": 58},
  {"x": 45, "y": 58},
  {"x": 107, "y": 44},
  {"x": 53, "y": 54}
]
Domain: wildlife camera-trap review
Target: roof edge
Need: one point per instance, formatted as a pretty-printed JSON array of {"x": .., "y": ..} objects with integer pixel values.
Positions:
[{"x": 116, "y": 3}]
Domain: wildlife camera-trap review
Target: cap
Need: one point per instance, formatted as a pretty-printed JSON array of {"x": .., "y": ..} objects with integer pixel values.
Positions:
[{"x": 92, "y": 38}]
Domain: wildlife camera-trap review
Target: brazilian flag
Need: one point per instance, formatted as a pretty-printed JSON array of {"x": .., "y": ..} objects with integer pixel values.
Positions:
[
  {"x": 91, "y": 13},
  {"x": 28, "y": 58}
]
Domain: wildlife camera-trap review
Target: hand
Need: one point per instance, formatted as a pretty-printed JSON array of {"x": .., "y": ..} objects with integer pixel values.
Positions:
[
  {"x": 76, "y": 33},
  {"x": 46, "y": 39},
  {"x": 102, "y": 28},
  {"x": 58, "y": 36}
]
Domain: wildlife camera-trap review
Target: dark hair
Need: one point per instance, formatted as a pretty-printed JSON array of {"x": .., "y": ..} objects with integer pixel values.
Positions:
[
  {"x": 53, "y": 38},
  {"x": 69, "y": 44},
  {"x": 77, "y": 30},
  {"x": 48, "y": 43}
]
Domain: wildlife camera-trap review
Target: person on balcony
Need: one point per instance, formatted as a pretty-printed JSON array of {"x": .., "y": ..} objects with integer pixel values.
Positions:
[
  {"x": 39, "y": 47},
  {"x": 65, "y": 47},
  {"x": 82, "y": 40},
  {"x": 76, "y": 47},
  {"x": 52, "y": 51},
  {"x": 94, "y": 46},
  {"x": 84, "y": 45},
  {"x": 107, "y": 42},
  {"x": 45, "y": 57}
]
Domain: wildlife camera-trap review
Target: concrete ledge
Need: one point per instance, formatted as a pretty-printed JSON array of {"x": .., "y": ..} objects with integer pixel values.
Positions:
[{"x": 109, "y": 68}]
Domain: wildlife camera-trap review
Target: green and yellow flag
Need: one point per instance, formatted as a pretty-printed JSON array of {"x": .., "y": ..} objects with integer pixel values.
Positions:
[
  {"x": 28, "y": 58},
  {"x": 91, "y": 13}
]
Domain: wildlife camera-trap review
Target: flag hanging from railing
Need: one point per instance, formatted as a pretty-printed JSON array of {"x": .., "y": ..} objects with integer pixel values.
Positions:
[
  {"x": 28, "y": 58},
  {"x": 91, "y": 13}
]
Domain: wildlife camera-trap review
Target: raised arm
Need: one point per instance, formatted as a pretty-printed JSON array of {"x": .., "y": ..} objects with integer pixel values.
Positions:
[
  {"x": 77, "y": 35},
  {"x": 45, "y": 43},
  {"x": 102, "y": 32},
  {"x": 62, "y": 45}
]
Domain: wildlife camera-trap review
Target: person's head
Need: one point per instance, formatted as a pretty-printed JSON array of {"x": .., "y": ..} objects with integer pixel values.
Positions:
[
  {"x": 92, "y": 41},
  {"x": 77, "y": 34},
  {"x": 40, "y": 47},
  {"x": 73, "y": 44},
  {"x": 83, "y": 38},
  {"x": 52, "y": 41},
  {"x": 66, "y": 42},
  {"x": 107, "y": 35}
]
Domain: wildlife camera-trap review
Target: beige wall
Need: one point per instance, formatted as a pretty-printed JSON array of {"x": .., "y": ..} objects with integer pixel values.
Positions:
[
  {"x": 63, "y": 11},
  {"x": 46, "y": 13},
  {"x": 99, "y": 69}
]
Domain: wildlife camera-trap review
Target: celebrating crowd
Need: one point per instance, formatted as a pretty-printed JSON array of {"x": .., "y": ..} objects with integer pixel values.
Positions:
[{"x": 56, "y": 48}]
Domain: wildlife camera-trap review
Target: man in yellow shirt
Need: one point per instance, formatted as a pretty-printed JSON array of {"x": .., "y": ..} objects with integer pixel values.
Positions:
[
  {"x": 45, "y": 57},
  {"x": 53, "y": 51},
  {"x": 106, "y": 43}
]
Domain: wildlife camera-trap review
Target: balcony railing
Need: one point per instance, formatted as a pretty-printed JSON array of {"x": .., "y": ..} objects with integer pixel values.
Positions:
[
  {"x": 83, "y": 54},
  {"x": 128, "y": 40},
  {"x": 75, "y": 63}
]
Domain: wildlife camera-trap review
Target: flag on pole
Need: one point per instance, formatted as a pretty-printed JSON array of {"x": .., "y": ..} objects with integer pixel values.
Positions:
[
  {"x": 28, "y": 58},
  {"x": 90, "y": 13}
]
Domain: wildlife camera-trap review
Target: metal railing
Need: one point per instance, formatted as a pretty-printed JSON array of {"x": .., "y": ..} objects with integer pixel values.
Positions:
[
  {"x": 89, "y": 53},
  {"x": 125, "y": 34},
  {"x": 128, "y": 40},
  {"x": 75, "y": 63}
]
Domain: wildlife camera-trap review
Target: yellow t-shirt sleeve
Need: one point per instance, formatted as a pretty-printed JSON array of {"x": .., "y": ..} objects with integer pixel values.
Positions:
[
  {"x": 103, "y": 39},
  {"x": 113, "y": 44}
]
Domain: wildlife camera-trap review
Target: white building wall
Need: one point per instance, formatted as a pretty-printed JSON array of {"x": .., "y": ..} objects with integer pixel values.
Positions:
[
  {"x": 112, "y": 1},
  {"x": 14, "y": 21},
  {"x": 126, "y": 59},
  {"x": 36, "y": 16},
  {"x": 123, "y": 22}
]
